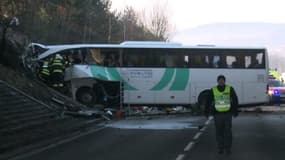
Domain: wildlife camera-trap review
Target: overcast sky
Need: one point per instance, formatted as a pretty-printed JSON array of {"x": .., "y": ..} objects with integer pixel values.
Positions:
[{"x": 186, "y": 14}]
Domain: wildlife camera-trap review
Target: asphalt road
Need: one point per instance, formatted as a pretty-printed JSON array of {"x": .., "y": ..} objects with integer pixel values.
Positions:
[{"x": 256, "y": 137}]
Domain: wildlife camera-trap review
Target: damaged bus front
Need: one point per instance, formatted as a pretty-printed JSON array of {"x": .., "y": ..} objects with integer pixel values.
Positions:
[{"x": 90, "y": 76}]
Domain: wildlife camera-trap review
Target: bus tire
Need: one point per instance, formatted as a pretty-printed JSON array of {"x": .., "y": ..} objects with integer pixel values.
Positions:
[
  {"x": 85, "y": 95},
  {"x": 202, "y": 100}
]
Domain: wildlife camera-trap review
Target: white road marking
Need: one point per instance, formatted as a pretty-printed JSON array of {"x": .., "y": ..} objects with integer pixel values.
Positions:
[
  {"x": 180, "y": 157},
  {"x": 208, "y": 121},
  {"x": 204, "y": 128},
  {"x": 197, "y": 135},
  {"x": 189, "y": 146},
  {"x": 194, "y": 127}
]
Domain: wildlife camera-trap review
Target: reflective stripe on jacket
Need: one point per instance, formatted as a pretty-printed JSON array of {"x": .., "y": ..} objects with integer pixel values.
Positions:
[
  {"x": 45, "y": 69},
  {"x": 222, "y": 99},
  {"x": 57, "y": 66},
  {"x": 57, "y": 62}
]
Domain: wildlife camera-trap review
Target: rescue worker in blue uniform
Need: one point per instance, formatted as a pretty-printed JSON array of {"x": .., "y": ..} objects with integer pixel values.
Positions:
[
  {"x": 57, "y": 72},
  {"x": 222, "y": 103}
]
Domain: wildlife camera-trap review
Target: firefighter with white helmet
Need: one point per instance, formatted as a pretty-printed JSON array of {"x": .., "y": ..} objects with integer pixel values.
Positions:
[
  {"x": 57, "y": 72},
  {"x": 44, "y": 72}
]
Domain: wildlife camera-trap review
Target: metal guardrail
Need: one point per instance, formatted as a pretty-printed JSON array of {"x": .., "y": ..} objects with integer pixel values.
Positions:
[
  {"x": 26, "y": 95},
  {"x": 26, "y": 121}
]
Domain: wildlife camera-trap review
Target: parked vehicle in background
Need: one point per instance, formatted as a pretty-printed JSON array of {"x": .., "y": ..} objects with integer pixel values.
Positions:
[{"x": 276, "y": 91}]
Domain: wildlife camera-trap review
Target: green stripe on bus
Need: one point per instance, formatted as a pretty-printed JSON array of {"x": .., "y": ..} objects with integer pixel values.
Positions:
[
  {"x": 99, "y": 72},
  {"x": 166, "y": 78},
  {"x": 114, "y": 74},
  {"x": 181, "y": 80}
]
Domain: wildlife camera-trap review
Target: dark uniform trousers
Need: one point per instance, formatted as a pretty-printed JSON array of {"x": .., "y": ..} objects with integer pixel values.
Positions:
[
  {"x": 57, "y": 73},
  {"x": 223, "y": 124}
]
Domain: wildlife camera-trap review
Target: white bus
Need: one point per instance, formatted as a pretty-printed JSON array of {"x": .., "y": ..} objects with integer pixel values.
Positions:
[{"x": 157, "y": 73}]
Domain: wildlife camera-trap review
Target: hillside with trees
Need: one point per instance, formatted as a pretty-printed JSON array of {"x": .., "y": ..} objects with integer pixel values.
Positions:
[{"x": 79, "y": 21}]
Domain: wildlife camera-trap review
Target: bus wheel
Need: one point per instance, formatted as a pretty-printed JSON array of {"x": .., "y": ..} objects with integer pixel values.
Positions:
[
  {"x": 202, "y": 100},
  {"x": 85, "y": 95}
]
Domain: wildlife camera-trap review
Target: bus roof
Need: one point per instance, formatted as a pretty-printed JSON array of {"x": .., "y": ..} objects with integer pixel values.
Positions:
[
  {"x": 134, "y": 44},
  {"x": 150, "y": 43}
]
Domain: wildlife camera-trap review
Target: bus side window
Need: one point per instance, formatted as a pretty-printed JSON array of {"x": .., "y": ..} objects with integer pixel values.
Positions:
[
  {"x": 108, "y": 60},
  {"x": 162, "y": 61},
  {"x": 132, "y": 60},
  {"x": 88, "y": 58},
  {"x": 205, "y": 61},
  {"x": 77, "y": 56},
  {"x": 209, "y": 61},
  {"x": 169, "y": 61},
  {"x": 97, "y": 57},
  {"x": 240, "y": 62},
  {"x": 222, "y": 62},
  {"x": 117, "y": 59},
  {"x": 215, "y": 61},
  {"x": 83, "y": 55},
  {"x": 247, "y": 61},
  {"x": 230, "y": 60},
  {"x": 180, "y": 61},
  {"x": 253, "y": 62},
  {"x": 199, "y": 61},
  {"x": 111, "y": 59},
  {"x": 186, "y": 61},
  {"x": 260, "y": 60}
]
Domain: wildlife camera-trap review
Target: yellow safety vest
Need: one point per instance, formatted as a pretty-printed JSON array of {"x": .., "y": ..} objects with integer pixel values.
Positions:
[{"x": 222, "y": 99}]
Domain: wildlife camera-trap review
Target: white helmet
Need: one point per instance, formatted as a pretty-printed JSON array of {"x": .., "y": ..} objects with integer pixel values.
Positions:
[{"x": 58, "y": 56}]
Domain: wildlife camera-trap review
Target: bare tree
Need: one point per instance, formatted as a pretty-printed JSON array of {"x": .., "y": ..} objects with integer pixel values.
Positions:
[{"x": 157, "y": 21}]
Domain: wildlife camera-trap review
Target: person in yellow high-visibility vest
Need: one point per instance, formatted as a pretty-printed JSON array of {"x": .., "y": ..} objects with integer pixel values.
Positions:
[{"x": 222, "y": 104}]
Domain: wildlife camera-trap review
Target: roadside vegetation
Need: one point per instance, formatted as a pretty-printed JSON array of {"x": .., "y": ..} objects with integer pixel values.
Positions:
[{"x": 84, "y": 21}]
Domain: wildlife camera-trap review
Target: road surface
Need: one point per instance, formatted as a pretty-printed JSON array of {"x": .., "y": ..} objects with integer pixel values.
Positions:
[{"x": 257, "y": 136}]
